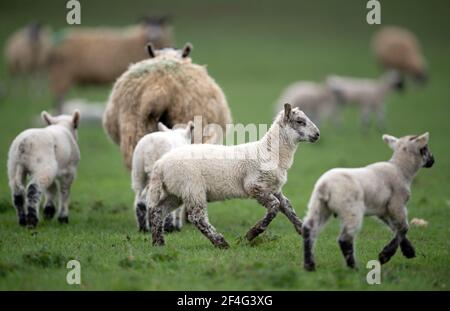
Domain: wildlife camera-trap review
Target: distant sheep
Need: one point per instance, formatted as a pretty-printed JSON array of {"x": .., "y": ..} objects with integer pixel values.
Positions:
[
  {"x": 398, "y": 48},
  {"x": 100, "y": 55},
  {"x": 166, "y": 88},
  {"x": 49, "y": 157},
  {"x": 381, "y": 189},
  {"x": 149, "y": 149},
  {"x": 197, "y": 174},
  {"x": 317, "y": 101},
  {"x": 27, "y": 50},
  {"x": 369, "y": 94}
]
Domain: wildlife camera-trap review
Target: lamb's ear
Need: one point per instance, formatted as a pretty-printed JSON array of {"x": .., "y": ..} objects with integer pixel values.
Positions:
[
  {"x": 76, "y": 118},
  {"x": 287, "y": 112},
  {"x": 422, "y": 140},
  {"x": 187, "y": 50},
  {"x": 390, "y": 140},
  {"x": 189, "y": 129},
  {"x": 47, "y": 117},
  {"x": 150, "y": 50},
  {"x": 162, "y": 127}
]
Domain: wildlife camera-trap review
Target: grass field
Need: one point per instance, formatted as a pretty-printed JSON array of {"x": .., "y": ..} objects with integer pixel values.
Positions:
[{"x": 253, "y": 49}]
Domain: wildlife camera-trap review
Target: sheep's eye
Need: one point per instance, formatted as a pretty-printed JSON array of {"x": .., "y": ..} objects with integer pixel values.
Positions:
[{"x": 300, "y": 122}]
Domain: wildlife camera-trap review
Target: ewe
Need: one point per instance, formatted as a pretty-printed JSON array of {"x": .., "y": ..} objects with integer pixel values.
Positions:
[
  {"x": 381, "y": 189},
  {"x": 369, "y": 94},
  {"x": 48, "y": 156},
  {"x": 149, "y": 149},
  {"x": 197, "y": 174},
  {"x": 166, "y": 88},
  {"x": 397, "y": 48}
]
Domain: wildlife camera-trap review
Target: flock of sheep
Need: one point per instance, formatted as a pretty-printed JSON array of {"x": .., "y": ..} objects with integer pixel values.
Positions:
[{"x": 149, "y": 116}]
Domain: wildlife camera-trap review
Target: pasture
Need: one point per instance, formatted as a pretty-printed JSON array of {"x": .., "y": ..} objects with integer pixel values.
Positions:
[{"x": 253, "y": 49}]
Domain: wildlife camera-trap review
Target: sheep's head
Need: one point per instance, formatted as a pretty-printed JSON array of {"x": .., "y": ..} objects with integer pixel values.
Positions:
[
  {"x": 185, "y": 132},
  {"x": 395, "y": 80},
  {"x": 298, "y": 126},
  {"x": 71, "y": 122},
  {"x": 411, "y": 147},
  {"x": 170, "y": 53}
]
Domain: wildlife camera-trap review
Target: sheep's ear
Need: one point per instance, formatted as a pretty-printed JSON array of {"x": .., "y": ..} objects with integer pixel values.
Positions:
[
  {"x": 390, "y": 140},
  {"x": 189, "y": 129},
  {"x": 162, "y": 127},
  {"x": 422, "y": 140},
  {"x": 76, "y": 118},
  {"x": 187, "y": 50},
  {"x": 287, "y": 112},
  {"x": 47, "y": 117},
  {"x": 150, "y": 50}
]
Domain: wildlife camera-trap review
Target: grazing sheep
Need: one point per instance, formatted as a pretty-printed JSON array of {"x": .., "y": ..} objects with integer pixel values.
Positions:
[
  {"x": 317, "y": 101},
  {"x": 381, "y": 189},
  {"x": 397, "y": 48},
  {"x": 100, "y": 55},
  {"x": 369, "y": 94},
  {"x": 201, "y": 173},
  {"x": 27, "y": 50},
  {"x": 49, "y": 157},
  {"x": 166, "y": 88},
  {"x": 148, "y": 150}
]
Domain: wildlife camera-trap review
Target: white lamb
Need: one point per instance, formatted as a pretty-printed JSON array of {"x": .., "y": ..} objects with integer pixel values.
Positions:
[
  {"x": 149, "y": 149},
  {"x": 197, "y": 174},
  {"x": 381, "y": 189},
  {"x": 369, "y": 94},
  {"x": 48, "y": 156}
]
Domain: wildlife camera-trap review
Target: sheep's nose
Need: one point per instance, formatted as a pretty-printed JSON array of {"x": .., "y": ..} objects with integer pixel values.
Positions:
[{"x": 314, "y": 137}]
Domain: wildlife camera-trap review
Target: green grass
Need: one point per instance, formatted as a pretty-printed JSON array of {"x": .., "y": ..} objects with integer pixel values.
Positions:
[{"x": 253, "y": 49}]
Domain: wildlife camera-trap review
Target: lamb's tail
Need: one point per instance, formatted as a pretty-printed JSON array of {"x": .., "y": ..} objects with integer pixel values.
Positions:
[{"x": 318, "y": 211}]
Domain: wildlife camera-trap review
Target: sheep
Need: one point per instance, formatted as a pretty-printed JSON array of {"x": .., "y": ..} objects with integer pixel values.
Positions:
[
  {"x": 381, "y": 189},
  {"x": 316, "y": 100},
  {"x": 48, "y": 157},
  {"x": 100, "y": 55},
  {"x": 201, "y": 173},
  {"x": 165, "y": 88},
  {"x": 369, "y": 94},
  {"x": 398, "y": 48},
  {"x": 27, "y": 50},
  {"x": 148, "y": 150}
]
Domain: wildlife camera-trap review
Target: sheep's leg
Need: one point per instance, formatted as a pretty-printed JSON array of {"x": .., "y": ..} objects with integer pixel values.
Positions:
[
  {"x": 174, "y": 221},
  {"x": 18, "y": 194},
  {"x": 351, "y": 221},
  {"x": 65, "y": 184},
  {"x": 19, "y": 204},
  {"x": 380, "y": 111},
  {"x": 141, "y": 211},
  {"x": 157, "y": 215},
  {"x": 287, "y": 209},
  {"x": 199, "y": 217},
  {"x": 271, "y": 203},
  {"x": 33, "y": 198},
  {"x": 366, "y": 114},
  {"x": 51, "y": 195},
  {"x": 399, "y": 225}
]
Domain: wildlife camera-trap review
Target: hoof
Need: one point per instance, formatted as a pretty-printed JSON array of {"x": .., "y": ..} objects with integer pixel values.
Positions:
[
  {"x": 143, "y": 230},
  {"x": 408, "y": 252},
  {"x": 383, "y": 258},
  {"x": 63, "y": 220},
  {"x": 22, "y": 220},
  {"x": 309, "y": 266},
  {"x": 49, "y": 211},
  {"x": 159, "y": 243},
  {"x": 221, "y": 244},
  {"x": 31, "y": 221}
]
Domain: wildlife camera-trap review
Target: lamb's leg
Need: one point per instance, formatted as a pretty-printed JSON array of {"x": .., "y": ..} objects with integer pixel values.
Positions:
[
  {"x": 399, "y": 225},
  {"x": 366, "y": 114},
  {"x": 380, "y": 111},
  {"x": 351, "y": 221},
  {"x": 65, "y": 184},
  {"x": 18, "y": 194},
  {"x": 157, "y": 215},
  {"x": 33, "y": 199},
  {"x": 51, "y": 196},
  {"x": 286, "y": 209},
  {"x": 199, "y": 217},
  {"x": 141, "y": 211},
  {"x": 174, "y": 221},
  {"x": 271, "y": 203}
]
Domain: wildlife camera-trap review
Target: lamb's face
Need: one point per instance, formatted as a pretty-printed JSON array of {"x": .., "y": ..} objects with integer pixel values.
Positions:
[
  {"x": 412, "y": 147},
  {"x": 299, "y": 126}
]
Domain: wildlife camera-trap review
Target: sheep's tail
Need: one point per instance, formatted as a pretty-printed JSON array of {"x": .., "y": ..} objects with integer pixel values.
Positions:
[{"x": 318, "y": 210}]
